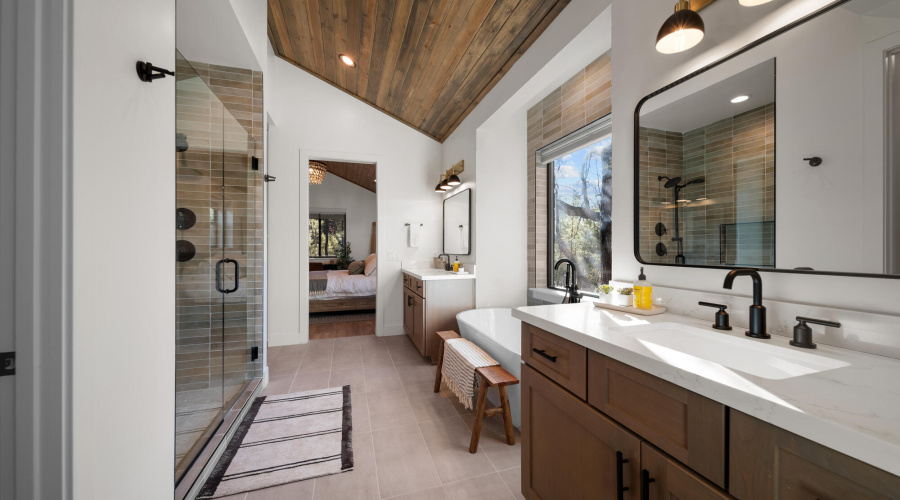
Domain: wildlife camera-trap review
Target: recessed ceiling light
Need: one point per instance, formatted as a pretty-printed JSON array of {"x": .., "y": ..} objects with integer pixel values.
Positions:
[
  {"x": 347, "y": 60},
  {"x": 752, "y": 3},
  {"x": 740, "y": 98}
]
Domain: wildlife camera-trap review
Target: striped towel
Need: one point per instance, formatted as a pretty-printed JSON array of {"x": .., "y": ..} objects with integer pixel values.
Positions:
[{"x": 461, "y": 358}]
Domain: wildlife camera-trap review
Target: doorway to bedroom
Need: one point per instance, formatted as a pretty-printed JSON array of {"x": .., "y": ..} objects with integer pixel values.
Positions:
[{"x": 342, "y": 255}]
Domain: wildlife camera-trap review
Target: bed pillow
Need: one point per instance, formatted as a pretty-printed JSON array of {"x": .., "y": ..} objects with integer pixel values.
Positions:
[
  {"x": 356, "y": 267},
  {"x": 371, "y": 265},
  {"x": 370, "y": 258}
]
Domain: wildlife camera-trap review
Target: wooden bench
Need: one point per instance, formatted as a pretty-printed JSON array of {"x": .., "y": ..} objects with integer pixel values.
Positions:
[{"x": 490, "y": 376}]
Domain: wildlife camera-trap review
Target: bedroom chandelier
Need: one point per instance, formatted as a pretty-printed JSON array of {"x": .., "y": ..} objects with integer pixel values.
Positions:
[{"x": 317, "y": 171}]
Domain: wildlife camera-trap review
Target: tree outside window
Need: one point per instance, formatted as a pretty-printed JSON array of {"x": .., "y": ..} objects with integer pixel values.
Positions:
[
  {"x": 581, "y": 214},
  {"x": 326, "y": 234}
]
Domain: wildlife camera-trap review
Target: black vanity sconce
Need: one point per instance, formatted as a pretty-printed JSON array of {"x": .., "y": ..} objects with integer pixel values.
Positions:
[
  {"x": 147, "y": 72},
  {"x": 814, "y": 161}
]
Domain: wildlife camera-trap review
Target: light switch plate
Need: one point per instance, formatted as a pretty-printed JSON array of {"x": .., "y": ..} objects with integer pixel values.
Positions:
[{"x": 393, "y": 256}]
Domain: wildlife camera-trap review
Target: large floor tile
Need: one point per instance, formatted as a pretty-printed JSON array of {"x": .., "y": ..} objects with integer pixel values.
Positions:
[
  {"x": 278, "y": 385},
  {"x": 355, "y": 377},
  {"x": 513, "y": 480},
  {"x": 430, "y": 406},
  {"x": 310, "y": 381},
  {"x": 389, "y": 408},
  {"x": 346, "y": 358},
  {"x": 380, "y": 379},
  {"x": 436, "y": 493},
  {"x": 397, "y": 340},
  {"x": 403, "y": 463},
  {"x": 487, "y": 487},
  {"x": 405, "y": 353},
  {"x": 448, "y": 444},
  {"x": 413, "y": 373},
  {"x": 376, "y": 357},
  {"x": 359, "y": 484},
  {"x": 316, "y": 362}
]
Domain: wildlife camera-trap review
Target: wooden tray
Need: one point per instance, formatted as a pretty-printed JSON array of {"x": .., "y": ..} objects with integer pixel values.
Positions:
[{"x": 632, "y": 310}]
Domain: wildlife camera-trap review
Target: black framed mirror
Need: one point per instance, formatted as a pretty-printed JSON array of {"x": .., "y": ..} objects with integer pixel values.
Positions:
[
  {"x": 779, "y": 156},
  {"x": 458, "y": 223}
]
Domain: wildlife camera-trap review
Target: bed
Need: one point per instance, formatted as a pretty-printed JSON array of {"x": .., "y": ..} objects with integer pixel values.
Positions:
[{"x": 334, "y": 291}]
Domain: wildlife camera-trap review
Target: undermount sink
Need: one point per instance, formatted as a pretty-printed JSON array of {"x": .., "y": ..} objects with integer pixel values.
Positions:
[{"x": 674, "y": 340}]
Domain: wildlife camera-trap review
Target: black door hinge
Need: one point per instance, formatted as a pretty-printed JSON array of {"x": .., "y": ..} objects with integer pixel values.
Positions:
[
  {"x": 7, "y": 363},
  {"x": 254, "y": 163},
  {"x": 254, "y": 353},
  {"x": 269, "y": 178}
]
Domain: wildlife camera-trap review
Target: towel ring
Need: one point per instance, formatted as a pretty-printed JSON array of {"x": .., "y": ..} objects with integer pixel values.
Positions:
[{"x": 407, "y": 224}]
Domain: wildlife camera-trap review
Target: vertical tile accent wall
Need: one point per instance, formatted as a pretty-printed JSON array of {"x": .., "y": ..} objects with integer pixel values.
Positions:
[
  {"x": 736, "y": 156},
  {"x": 216, "y": 150},
  {"x": 583, "y": 99}
]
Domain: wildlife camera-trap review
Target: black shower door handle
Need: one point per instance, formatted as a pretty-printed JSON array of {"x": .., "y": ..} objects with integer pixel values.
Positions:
[{"x": 237, "y": 275}]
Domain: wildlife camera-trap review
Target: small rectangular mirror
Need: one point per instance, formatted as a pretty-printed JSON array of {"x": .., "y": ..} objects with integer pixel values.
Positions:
[{"x": 457, "y": 223}]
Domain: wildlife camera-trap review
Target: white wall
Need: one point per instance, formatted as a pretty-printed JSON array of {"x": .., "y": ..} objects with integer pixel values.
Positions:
[
  {"x": 359, "y": 204},
  {"x": 122, "y": 393},
  {"x": 494, "y": 135},
  {"x": 729, "y": 27},
  {"x": 313, "y": 119}
]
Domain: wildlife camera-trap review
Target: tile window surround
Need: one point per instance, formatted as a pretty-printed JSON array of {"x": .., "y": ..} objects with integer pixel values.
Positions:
[
  {"x": 735, "y": 151},
  {"x": 581, "y": 100}
]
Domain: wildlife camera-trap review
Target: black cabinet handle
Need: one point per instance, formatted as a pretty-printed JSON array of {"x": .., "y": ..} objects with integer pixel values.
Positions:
[
  {"x": 409, "y": 301},
  {"x": 620, "y": 488},
  {"x": 645, "y": 484},
  {"x": 544, "y": 354}
]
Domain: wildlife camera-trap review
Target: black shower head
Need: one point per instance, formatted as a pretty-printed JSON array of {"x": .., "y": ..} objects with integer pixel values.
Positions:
[
  {"x": 181, "y": 144},
  {"x": 701, "y": 180},
  {"x": 670, "y": 183}
]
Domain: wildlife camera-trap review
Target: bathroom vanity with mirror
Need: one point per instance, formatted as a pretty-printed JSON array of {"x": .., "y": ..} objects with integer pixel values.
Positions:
[
  {"x": 783, "y": 156},
  {"x": 667, "y": 407}
]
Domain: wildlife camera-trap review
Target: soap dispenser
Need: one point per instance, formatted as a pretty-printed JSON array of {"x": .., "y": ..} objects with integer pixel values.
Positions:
[
  {"x": 456, "y": 265},
  {"x": 642, "y": 292}
]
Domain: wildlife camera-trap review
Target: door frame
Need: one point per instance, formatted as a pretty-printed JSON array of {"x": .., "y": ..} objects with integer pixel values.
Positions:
[{"x": 38, "y": 84}]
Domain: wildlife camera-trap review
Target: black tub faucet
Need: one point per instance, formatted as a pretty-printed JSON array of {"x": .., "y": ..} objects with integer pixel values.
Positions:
[
  {"x": 757, "y": 310},
  {"x": 572, "y": 295}
]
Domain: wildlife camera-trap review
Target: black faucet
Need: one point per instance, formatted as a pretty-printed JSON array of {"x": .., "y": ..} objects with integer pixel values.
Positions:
[
  {"x": 572, "y": 295},
  {"x": 757, "y": 310},
  {"x": 447, "y": 266}
]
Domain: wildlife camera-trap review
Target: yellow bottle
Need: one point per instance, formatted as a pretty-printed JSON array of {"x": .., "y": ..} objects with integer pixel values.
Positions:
[
  {"x": 643, "y": 290},
  {"x": 456, "y": 265}
]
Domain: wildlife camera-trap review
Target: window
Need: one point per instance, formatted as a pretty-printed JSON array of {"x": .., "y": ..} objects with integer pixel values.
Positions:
[
  {"x": 326, "y": 234},
  {"x": 580, "y": 205}
]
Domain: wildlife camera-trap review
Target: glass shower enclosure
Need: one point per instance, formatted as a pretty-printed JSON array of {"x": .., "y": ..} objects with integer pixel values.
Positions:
[{"x": 218, "y": 268}]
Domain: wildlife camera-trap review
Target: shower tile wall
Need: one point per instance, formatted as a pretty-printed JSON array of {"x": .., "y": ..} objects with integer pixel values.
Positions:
[
  {"x": 736, "y": 156},
  {"x": 199, "y": 363}
]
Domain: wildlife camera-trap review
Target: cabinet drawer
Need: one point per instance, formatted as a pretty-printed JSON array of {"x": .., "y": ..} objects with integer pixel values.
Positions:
[
  {"x": 770, "y": 462},
  {"x": 562, "y": 361},
  {"x": 671, "y": 480},
  {"x": 685, "y": 425},
  {"x": 417, "y": 286},
  {"x": 406, "y": 280}
]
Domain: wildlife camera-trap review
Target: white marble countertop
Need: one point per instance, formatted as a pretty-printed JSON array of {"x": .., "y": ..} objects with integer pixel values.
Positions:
[
  {"x": 854, "y": 409},
  {"x": 437, "y": 274}
]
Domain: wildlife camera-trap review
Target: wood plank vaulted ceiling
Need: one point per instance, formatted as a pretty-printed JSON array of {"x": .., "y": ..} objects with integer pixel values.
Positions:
[
  {"x": 361, "y": 174},
  {"x": 427, "y": 63}
]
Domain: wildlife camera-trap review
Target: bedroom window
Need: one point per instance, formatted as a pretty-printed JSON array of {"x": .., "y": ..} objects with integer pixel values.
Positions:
[
  {"x": 579, "y": 168},
  {"x": 326, "y": 234}
]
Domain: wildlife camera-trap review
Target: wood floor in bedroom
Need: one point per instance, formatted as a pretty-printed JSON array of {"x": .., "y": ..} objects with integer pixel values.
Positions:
[{"x": 341, "y": 329}]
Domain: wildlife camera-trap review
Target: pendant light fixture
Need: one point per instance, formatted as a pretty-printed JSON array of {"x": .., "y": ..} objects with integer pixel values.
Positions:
[
  {"x": 681, "y": 31},
  {"x": 317, "y": 171},
  {"x": 450, "y": 179}
]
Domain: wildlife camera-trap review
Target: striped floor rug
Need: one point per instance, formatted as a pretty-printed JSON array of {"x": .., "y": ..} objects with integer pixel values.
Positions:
[{"x": 286, "y": 438}]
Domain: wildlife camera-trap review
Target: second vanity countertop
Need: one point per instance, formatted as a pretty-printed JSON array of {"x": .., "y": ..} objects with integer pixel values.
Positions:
[
  {"x": 437, "y": 274},
  {"x": 853, "y": 408}
]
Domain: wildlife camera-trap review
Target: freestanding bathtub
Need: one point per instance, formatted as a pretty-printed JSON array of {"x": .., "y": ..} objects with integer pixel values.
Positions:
[{"x": 500, "y": 335}]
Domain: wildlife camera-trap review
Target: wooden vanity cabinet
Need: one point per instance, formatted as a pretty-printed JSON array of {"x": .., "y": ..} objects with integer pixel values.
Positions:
[
  {"x": 667, "y": 479},
  {"x": 431, "y": 306},
  {"x": 767, "y": 462},
  {"x": 570, "y": 450},
  {"x": 682, "y": 423}
]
